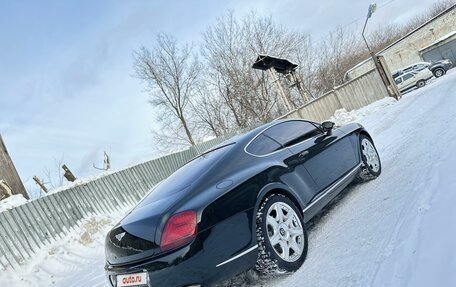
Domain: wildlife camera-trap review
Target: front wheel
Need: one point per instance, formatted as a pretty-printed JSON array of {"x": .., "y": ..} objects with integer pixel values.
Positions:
[
  {"x": 281, "y": 234},
  {"x": 371, "y": 164}
]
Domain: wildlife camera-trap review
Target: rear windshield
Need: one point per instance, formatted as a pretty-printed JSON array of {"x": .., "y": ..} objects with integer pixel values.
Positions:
[{"x": 181, "y": 179}]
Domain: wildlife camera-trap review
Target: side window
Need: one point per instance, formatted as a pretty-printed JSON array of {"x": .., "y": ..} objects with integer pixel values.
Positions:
[
  {"x": 408, "y": 69},
  {"x": 408, "y": 76},
  {"x": 292, "y": 132},
  {"x": 262, "y": 145},
  {"x": 398, "y": 81}
]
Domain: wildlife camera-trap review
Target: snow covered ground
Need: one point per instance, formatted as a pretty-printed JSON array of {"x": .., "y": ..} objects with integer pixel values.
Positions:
[
  {"x": 74, "y": 260},
  {"x": 398, "y": 230}
]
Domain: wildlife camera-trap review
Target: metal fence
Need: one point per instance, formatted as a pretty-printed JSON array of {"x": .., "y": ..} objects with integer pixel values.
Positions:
[
  {"x": 354, "y": 94},
  {"x": 27, "y": 228}
]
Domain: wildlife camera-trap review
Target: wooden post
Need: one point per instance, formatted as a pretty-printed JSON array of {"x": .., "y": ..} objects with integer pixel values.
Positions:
[
  {"x": 296, "y": 82},
  {"x": 9, "y": 173},
  {"x": 388, "y": 78},
  {"x": 38, "y": 181},
  {"x": 68, "y": 174},
  {"x": 275, "y": 80}
]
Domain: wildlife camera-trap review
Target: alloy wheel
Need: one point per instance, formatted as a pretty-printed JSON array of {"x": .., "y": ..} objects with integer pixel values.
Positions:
[{"x": 285, "y": 232}]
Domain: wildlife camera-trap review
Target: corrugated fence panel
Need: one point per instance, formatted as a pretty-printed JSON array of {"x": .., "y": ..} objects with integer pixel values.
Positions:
[
  {"x": 27, "y": 228},
  {"x": 362, "y": 91},
  {"x": 352, "y": 95},
  {"x": 324, "y": 107}
]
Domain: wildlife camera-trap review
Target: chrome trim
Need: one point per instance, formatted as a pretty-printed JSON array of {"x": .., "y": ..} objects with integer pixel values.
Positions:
[
  {"x": 282, "y": 149},
  {"x": 245, "y": 148},
  {"x": 237, "y": 256},
  {"x": 332, "y": 187}
]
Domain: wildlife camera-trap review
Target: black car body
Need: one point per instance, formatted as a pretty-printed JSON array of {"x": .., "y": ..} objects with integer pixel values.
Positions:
[{"x": 221, "y": 192}]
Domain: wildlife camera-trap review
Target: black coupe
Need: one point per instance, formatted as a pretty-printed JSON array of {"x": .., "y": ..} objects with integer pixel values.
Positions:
[{"x": 241, "y": 205}]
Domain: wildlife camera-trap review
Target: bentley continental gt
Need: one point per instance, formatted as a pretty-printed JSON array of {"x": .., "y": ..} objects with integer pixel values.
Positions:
[{"x": 239, "y": 206}]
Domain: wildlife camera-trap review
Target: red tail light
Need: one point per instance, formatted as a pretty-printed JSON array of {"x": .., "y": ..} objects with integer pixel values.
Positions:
[{"x": 179, "y": 230}]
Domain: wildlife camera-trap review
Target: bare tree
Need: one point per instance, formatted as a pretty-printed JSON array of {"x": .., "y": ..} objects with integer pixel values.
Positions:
[
  {"x": 338, "y": 52},
  {"x": 53, "y": 176},
  {"x": 387, "y": 34},
  {"x": 170, "y": 72},
  {"x": 433, "y": 11},
  {"x": 229, "y": 48},
  {"x": 230, "y": 95},
  {"x": 213, "y": 116}
]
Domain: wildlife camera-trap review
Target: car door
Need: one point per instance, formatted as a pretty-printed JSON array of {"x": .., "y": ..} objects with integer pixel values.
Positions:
[
  {"x": 324, "y": 157},
  {"x": 329, "y": 157},
  {"x": 408, "y": 80},
  {"x": 290, "y": 133}
]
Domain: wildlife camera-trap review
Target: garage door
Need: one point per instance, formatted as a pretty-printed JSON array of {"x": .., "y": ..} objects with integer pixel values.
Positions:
[{"x": 445, "y": 51}]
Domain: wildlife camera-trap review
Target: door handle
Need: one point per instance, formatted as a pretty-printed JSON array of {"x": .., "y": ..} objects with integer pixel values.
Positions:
[
  {"x": 303, "y": 154},
  {"x": 297, "y": 159}
]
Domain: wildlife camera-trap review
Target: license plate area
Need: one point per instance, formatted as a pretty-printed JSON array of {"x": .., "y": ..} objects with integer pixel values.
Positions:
[{"x": 132, "y": 280}]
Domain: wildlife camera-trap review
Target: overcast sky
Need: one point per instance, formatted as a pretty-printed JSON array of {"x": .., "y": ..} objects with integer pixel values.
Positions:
[{"x": 65, "y": 69}]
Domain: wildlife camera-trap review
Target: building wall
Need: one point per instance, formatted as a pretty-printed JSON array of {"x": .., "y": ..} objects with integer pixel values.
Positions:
[
  {"x": 406, "y": 51},
  {"x": 446, "y": 50},
  {"x": 8, "y": 172}
]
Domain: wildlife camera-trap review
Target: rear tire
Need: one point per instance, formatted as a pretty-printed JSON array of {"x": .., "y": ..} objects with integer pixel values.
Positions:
[
  {"x": 281, "y": 235},
  {"x": 371, "y": 164},
  {"x": 421, "y": 83},
  {"x": 439, "y": 72}
]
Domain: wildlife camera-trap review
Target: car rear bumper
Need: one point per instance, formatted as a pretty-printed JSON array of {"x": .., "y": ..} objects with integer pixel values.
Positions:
[{"x": 205, "y": 261}]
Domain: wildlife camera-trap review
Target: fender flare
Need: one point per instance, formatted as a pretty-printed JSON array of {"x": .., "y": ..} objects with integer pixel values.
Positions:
[{"x": 280, "y": 188}]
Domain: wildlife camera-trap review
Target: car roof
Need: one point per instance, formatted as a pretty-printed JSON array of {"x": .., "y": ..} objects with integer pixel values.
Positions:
[
  {"x": 409, "y": 66},
  {"x": 244, "y": 138}
]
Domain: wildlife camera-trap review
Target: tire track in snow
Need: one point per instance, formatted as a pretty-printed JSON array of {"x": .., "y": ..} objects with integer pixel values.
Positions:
[{"x": 404, "y": 238}]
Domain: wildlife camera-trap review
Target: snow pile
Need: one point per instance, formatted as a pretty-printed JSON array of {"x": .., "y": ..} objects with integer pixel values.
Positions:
[
  {"x": 342, "y": 117},
  {"x": 77, "y": 259},
  {"x": 12, "y": 201}
]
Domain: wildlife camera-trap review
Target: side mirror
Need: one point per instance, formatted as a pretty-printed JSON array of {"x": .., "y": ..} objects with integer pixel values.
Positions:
[{"x": 327, "y": 127}]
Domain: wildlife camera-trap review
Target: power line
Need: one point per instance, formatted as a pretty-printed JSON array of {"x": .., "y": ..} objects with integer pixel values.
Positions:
[{"x": 380, "y": 6}]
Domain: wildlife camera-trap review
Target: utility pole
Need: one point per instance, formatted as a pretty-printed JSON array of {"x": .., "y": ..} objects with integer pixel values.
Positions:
[{"x": 387, "y": 80}]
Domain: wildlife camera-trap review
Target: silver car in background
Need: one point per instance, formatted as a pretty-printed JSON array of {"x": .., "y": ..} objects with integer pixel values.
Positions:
[
  {"x": 413, "y": 79},
  {"x": 438, "y": 68}
]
